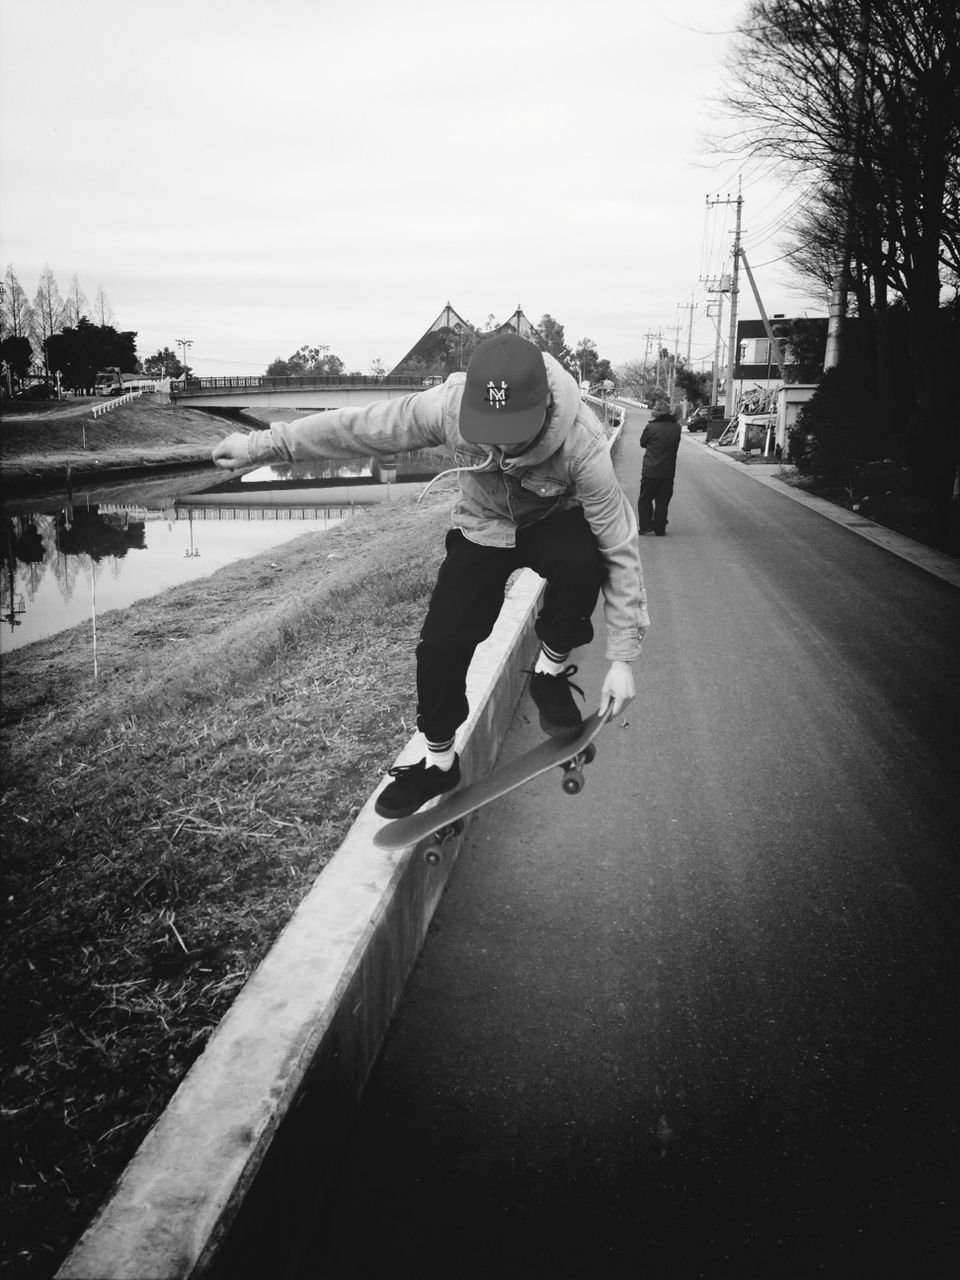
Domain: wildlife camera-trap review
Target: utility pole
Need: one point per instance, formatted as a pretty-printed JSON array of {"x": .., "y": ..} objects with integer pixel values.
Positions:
[
  {"x": 732, "y": 348},
  {"x": 690, "y": 306},
  {"x": 734, "y": 293},
  {"x": 645, "y": 376},
  {"x": 672, "y": 368},
  {"x": 717, "y": 321},
  {"x": 715, "y": 313},
  {"x": 646, "y": 353}
]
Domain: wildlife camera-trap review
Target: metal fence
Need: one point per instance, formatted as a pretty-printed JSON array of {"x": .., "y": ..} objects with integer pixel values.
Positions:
[
  {"x": 112, "y": 403},
  {"x": 297, "y": 382}
]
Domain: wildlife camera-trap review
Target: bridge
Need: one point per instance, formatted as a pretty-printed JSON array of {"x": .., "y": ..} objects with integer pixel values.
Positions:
[{"x": 301, "y": 391}]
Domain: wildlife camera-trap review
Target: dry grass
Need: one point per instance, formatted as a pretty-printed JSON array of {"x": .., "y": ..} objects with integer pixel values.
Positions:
[{"x": 161, "y": 825}]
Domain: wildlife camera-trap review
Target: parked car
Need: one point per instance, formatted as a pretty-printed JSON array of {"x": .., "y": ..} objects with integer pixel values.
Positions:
[{"x": 700, "y": 419}]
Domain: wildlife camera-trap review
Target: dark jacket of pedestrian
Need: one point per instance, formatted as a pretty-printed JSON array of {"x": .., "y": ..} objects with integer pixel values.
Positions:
[{"x": 661, "y": 440}]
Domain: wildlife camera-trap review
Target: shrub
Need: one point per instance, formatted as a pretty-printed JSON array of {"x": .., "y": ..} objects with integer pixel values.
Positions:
[{"x": 834, "y": 433}]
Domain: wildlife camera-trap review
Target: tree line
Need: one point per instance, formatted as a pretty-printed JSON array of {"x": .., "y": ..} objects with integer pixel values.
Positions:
[
  {"x": 858, "y": 104},
  {"x": 56, "y": 334}
]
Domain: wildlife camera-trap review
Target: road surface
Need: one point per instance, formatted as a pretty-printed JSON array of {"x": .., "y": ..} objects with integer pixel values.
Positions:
[{"x": 701, "y": 1019}]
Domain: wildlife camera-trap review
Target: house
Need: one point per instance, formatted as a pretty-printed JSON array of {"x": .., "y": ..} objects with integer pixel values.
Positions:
[{"x": 759, "y": 387}]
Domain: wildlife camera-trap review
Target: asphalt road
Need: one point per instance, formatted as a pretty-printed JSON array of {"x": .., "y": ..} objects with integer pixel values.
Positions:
[{"x": 702, "y": 1019}]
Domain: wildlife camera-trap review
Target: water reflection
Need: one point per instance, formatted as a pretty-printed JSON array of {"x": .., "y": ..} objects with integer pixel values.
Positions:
[
  {"x": 280, "y": 471},
  {"x": 422, "y": 464},
  {"x": 69, "y": 553},
  {"x": 58, "y": 567}
]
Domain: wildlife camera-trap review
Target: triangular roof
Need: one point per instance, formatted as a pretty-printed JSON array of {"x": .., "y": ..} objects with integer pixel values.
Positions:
[
  {"x": 518, "y": 323},
  {"x": 447, "y": 319},
  {"x": 451, "y": 319}
]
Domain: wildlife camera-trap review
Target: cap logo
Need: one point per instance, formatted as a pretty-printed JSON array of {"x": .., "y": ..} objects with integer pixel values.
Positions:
[{"x": 497, "y": 396}]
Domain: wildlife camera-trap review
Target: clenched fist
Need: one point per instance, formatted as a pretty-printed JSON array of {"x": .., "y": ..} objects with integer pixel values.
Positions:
[{"x": 233, "y": 452}]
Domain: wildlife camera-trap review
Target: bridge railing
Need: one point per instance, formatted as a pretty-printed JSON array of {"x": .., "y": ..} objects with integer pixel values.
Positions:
[{"x": 297, "y": 382}]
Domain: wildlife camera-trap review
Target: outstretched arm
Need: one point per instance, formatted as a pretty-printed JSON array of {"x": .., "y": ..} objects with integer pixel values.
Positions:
[{"x": 411, "y": 422}]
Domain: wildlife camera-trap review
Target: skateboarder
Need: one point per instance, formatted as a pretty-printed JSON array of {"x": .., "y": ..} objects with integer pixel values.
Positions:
[{"x": 537, "y": 489}]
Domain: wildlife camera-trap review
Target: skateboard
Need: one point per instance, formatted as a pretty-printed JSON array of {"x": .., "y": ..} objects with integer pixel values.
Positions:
[{"x": 447, "y": 819}]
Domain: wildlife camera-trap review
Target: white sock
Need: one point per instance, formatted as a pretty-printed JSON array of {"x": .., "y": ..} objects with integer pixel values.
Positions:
[
  {"x": 549, "y": 664},
  {"x": 441, "y": 755}
]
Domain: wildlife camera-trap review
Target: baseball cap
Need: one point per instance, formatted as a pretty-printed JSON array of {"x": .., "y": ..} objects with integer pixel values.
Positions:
[{"x": 505, "y": 395}]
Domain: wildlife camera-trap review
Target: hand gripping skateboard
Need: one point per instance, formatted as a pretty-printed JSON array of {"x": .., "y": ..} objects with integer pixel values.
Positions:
[{"x": 446, "y": 819}]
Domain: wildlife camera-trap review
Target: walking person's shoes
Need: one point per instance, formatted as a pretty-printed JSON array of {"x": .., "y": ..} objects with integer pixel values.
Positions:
[
  {"x": 559, "y": 715},
  {"x": 413, "y": 785}
]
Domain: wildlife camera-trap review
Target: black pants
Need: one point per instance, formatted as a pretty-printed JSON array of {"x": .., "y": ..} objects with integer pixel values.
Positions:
[
  {"x": 655, "y": 495},
  {"x": 468, "y": 596}
]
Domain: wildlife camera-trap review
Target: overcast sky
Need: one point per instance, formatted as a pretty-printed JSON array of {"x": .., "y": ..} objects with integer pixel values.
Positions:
[{"x": 256, "y": 176}]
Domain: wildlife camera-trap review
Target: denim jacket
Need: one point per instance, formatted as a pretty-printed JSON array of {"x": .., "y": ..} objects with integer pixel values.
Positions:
[{"x": 567, "y": 465}]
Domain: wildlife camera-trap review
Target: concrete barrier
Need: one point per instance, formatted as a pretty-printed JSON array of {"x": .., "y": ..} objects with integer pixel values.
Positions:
[
  {"x": 240, "y": 1158},
  {"x": 243, "y": 1150}
]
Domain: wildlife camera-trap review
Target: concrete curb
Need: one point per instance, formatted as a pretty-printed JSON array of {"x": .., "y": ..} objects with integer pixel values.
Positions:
[
  {"x": 216, "y": 1178},
  {"x": 941, "y": 566}
]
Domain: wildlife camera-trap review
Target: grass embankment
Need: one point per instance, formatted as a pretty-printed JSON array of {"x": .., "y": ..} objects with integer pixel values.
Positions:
[
  {"x": 41, "y": 443},
  {"x": 161, "y": 825}
]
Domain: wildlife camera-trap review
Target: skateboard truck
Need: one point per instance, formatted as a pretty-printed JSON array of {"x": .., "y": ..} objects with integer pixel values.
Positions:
[
  {"x": 433, "y": 850},
  {"x": 573, "y": 779}
]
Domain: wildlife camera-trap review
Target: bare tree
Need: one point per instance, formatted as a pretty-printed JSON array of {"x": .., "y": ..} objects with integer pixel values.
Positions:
[
  {"x": 77, "y": 306},
  {"x": 17, "y": 312},
  {"x": 102, "y": 310},
  {"x": 48, "y": 312},
  {"x": 870, "y": 118}
]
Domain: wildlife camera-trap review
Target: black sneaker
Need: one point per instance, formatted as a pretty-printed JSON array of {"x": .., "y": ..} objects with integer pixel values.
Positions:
[
  {"x": 413, "y": 785},
  {"x": 559, "y": 715}
]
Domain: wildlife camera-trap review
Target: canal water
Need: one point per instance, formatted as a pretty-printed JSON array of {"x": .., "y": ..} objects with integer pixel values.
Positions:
[{"x": 71, "y": 556}]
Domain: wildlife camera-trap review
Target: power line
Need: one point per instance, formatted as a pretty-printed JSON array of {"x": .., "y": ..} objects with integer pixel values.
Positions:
[
  {"x": 792, "y": 253},
  {"x": 775, "y": 224}
]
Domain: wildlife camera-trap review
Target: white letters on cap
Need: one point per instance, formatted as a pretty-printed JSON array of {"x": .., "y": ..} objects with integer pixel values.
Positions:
[{"x": 498, "y": 396}]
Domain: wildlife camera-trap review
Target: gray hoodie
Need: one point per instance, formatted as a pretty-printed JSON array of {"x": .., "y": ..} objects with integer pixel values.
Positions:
[{"x": 567, "y": 465}]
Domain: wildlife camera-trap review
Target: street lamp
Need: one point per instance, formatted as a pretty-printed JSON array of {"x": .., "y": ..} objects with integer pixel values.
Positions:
[{"x": 184, "y": 343}]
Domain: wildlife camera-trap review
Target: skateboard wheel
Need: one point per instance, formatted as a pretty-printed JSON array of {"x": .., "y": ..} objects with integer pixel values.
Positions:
[
  {"x": 457, "y": 828},
  {"x": 589, "y": 752},
  {"x": 573, "y": 782},
  {"x": 432, "y": 855}
]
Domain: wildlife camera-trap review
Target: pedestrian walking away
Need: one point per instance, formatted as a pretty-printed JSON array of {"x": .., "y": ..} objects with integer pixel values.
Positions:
[
  {"x": 660, "y": 441},
  {"x": 537, "y": 489}
]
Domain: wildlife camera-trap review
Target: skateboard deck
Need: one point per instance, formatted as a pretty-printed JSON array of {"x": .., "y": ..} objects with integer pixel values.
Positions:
[{"x": 446, "y": 818}]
